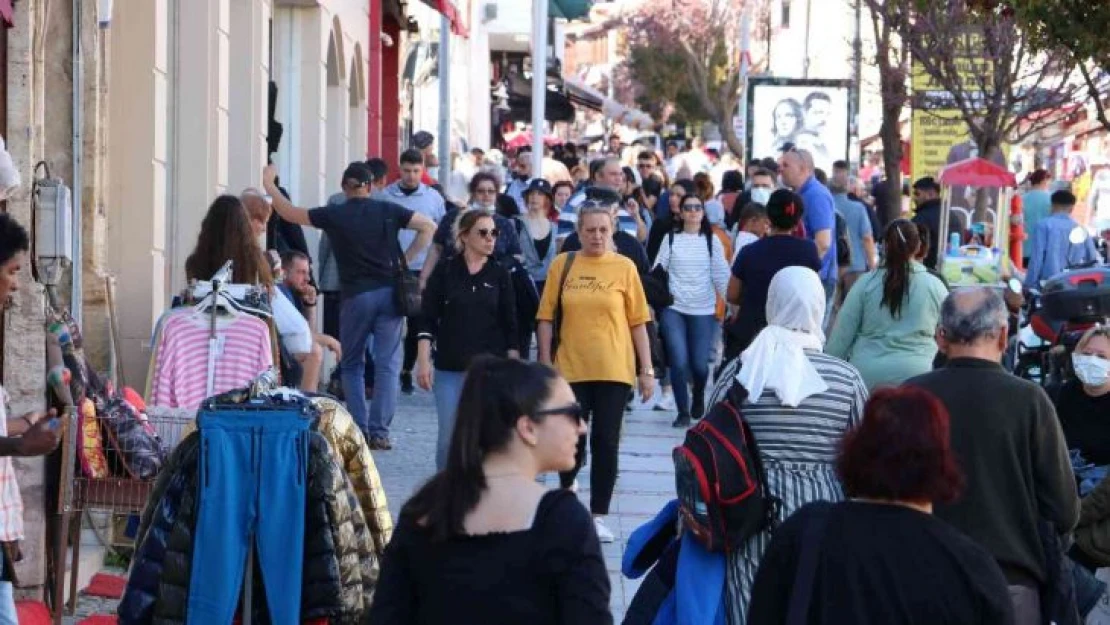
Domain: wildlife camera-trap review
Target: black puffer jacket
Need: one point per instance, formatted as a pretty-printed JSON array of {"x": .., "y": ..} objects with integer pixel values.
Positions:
[{"x": 137, "y": 604}]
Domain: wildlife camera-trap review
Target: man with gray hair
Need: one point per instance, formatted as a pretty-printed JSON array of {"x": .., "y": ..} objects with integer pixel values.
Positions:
[
  {"x": 819, "y": 215},
  {"x": 1005, "y": 434},
  {"x": 860, "y": 239}
]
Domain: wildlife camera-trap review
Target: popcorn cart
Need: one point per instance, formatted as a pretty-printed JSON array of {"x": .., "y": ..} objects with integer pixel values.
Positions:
[{"x": 984, "y": 260}]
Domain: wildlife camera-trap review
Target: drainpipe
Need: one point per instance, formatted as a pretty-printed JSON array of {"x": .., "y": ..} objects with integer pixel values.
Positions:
[{"x": 77, "y": 296}]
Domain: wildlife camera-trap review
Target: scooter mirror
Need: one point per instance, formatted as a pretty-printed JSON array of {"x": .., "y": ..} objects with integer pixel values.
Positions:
[
  {"x": 1078, "y": 235},
  {"x": 1014, "y": 285}
]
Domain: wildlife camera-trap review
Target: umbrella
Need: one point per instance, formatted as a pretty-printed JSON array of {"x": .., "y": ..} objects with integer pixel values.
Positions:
[{"x": 522, "y": 138}]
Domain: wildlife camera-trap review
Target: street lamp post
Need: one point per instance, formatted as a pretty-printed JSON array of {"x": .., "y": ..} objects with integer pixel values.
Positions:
[{"x": 539, "y": 82}]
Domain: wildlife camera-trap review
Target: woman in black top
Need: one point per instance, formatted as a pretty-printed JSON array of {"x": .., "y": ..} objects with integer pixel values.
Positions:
[
  {"x": 482, "y": 543},
  {"x": 469, "y": 308},
  {"x": 881, "y": 557}
]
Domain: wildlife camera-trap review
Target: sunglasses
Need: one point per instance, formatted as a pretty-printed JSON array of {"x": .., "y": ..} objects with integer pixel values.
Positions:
[
  {"x": 692, "y": 208},
  {"x": 574, "y": 411},
  {"x": 488, "y": 233}
]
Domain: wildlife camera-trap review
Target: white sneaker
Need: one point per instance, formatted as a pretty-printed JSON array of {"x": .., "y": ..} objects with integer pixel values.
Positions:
[
  {"x": 604, "y": 534},
  {"x": 665, "y": 402}
]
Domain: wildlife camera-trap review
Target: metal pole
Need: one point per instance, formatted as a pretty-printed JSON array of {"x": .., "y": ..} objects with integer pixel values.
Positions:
[
  {"x": 855, "y": 157},
  {"x": 76, "y": 306},
  {"x": 745, "y": 56},
  {"x": 539, "y": 82},
  {"x": 805, "y": 61},
  {"x": 444, "y": 99}
]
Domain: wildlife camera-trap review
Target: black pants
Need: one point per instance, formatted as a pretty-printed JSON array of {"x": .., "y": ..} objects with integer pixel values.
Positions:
[
  {"x": 603, "y": 404},
  {"x": 333, "y": 300},
  {"x": 411, "y": 339}
]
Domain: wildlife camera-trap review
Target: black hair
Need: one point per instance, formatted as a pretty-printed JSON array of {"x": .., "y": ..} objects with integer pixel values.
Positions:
[
  {"x": 646, "y": 155},
  {"x": 928, "y": 183},
  {"x": 506, "y": 206},
  {"x": 597, "y": 164},
  {"x": 732, "y": 182},
  {"x": 672, "y": 144},
  {"x": 762, "y": 171},
  {"x": 378, "y": 168},
  {"x": 479, "y": 178},
  {"x": 816, "y": 95},
  {"x": 1038, "y": 176},
  {"x": 290, "y": 256},
  {"x": 706, "y": 228},
  {"x": 752, "y": 210},
  {"x": 495, "y": 394},
  {"x": 821, "y": 176},
  {"x": 412, "y": 156},
  {"x": 925, "y": 235},
  {"x": 1063, "y": 198},
  {"x": 652, "y": 186},
  {"x": 687, "y": 186},
  {"x": 629, "y": 175},
  {"x": 770, "y": 164},
  {"x": 785, "y": 209},
  {"x": 841, "y": 164},
  {"x": 900, "y": 246},
  {"x": 13, "y": 238}
]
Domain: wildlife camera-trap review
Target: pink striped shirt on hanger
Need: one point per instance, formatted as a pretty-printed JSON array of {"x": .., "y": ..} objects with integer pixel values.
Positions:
[{"x": 181, "y": 370}]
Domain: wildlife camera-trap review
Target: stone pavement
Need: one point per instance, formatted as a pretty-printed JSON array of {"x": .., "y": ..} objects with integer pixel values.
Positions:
[{"x": 645, "y": 483}]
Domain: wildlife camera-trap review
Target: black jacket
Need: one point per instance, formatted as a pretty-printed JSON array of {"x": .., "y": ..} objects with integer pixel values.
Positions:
[
  {"x": 466, "y": 315},
  {"x": 928, "y": 213}
]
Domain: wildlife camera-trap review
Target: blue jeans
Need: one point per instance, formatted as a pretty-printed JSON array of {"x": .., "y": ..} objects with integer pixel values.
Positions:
[
  {"x": 252, "y": 472},
  {"x": 447, "y": 388},
  {"x": 366, "y": 314},
  {"x": 8, "y": 614},
  {"x": 688, "y": 339},
  {"x": 830, "y": 295}
]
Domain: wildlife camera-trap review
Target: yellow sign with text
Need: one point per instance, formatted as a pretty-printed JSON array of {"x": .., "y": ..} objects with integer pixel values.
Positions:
[{"x": 939, "y": 138}]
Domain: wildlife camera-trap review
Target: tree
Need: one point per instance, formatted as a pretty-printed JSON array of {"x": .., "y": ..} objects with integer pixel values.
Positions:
[
  {"x": 893, "y": 62},
  {"x": 1077, "y": 26},
  {"x": 699, "y": 38},
  {"x": 654, "y": 81},
  {"x": 990, "y": 71}
]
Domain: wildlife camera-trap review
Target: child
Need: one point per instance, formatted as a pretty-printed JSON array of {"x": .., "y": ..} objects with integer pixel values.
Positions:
[{"x": 752, "y": 226}]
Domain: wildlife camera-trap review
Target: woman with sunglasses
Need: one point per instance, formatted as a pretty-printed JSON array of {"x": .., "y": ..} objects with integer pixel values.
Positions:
[
  {"x": 482, "y": 542},
  {"x": 887, "y": 324},
  {"x": 698, "y": 272},
  {"x": 483, "y": 196},
  {"x": 469, "y": 308},
  {"x": 594, "y": 301}
]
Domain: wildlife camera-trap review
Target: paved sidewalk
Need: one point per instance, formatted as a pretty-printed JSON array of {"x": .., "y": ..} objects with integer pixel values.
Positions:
[{"x": 646, "y": 480}]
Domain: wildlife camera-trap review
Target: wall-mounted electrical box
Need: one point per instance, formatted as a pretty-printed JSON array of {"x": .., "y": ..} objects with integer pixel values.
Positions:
[{"x": 53, "y": 220}]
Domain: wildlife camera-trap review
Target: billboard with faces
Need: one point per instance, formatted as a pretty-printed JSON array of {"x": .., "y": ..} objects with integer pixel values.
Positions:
[{"x": 813, "y": 115}]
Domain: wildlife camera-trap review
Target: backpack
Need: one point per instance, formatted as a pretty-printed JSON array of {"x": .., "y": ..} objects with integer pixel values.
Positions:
[
  {"x": 722, "y": 488},
  {"x": 843, "y": 243}
]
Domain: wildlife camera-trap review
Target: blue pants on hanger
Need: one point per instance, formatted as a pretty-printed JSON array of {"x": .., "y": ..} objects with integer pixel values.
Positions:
[{"x": 253, "y": 468}]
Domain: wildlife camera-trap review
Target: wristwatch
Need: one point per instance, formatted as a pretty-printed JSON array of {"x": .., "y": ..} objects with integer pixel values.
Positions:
[{"x": 649, "y": 371}]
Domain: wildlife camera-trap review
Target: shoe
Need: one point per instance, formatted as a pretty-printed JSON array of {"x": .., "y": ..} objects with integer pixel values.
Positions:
[
  {"x": 604, "y": 534},
  {"x": 406, "y": 383},
  {"x": 683, "y": 421},
  {"x": 381, "y": 443},
  {"x": 697, "y": 409},
  {"x": 665, "y": 402}
]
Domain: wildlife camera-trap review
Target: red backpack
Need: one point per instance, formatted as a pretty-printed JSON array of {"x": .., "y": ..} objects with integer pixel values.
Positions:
[{"x": 722, "y": 488}]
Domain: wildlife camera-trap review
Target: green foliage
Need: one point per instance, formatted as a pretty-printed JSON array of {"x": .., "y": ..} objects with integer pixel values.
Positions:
[
  {"x": 1081, "y": 26},
  {"x": 664, "y": 85}
]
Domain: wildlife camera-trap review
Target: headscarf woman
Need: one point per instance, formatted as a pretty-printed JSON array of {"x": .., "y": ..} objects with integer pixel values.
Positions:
[{"x": 800, "y": 403}]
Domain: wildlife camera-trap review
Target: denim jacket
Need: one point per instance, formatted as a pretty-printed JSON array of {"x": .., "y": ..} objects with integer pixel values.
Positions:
[{"x": 537, "y": 267}]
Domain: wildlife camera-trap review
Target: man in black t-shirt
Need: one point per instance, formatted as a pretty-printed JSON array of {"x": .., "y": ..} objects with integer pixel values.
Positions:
[{"x": 363, "y": 233}]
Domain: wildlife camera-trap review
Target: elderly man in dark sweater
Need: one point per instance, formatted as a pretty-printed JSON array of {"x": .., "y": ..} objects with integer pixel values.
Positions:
[{"x": 1005, "y": 434}]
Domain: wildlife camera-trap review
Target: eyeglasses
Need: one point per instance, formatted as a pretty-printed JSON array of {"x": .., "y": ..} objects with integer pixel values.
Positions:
[
  {"x": 645, "y": 166},
  {"x": 485, "y": 191},
  {"x": 574, "y": 411},
  {"x": 488, "y": 233},
  {"x": 692, "y": 208}
]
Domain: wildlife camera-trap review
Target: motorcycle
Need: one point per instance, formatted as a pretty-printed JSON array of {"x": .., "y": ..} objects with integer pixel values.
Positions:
[{"x": 1056, "y": 317}]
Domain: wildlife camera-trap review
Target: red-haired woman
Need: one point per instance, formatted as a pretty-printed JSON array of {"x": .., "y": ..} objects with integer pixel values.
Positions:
[{"x": 881, "y": 557}]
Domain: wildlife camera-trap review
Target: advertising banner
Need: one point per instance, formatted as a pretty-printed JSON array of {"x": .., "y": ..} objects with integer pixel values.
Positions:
[{"x": 808, "y": 114}]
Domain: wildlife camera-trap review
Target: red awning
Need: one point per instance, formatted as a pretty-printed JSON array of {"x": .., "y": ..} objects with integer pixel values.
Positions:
[
  {"x": 6, "y": 12},
  {"x": 447, "y": 9},
  {"x": 977, "y": 172}
]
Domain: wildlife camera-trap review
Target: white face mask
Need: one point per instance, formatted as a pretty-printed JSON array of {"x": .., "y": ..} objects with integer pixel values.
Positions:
[
  {"x": 761, "y": 195},
  {"x": 1091, "y": 370}
]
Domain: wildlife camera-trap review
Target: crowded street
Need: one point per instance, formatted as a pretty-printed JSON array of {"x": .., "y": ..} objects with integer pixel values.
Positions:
[{"x": 555, "y": 312}]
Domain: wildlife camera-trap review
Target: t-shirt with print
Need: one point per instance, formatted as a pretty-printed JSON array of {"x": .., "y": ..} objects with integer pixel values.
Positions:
[
  {"x": 11, "y": 502},
  {"x": 755, "y": 265},
  {"x": 365, "y": 246},
  {"x": 602, "y": 301}
]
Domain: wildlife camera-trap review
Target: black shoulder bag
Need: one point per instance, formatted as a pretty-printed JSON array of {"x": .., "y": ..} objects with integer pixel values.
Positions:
[
  {"x": 406, "y": 288},
  {"x": 557, "y": 324}
]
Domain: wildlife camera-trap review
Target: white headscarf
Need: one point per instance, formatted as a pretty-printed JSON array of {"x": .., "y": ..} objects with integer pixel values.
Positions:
[{"x": 776, "y": 359}]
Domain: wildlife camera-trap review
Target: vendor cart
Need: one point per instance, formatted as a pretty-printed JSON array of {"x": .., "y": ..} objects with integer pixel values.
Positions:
[{"x": 983, "y": 258}]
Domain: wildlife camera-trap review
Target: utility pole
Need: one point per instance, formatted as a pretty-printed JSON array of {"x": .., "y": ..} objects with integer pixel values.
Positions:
[
  {"x": 444, "y": 171},
  {"x": 854, "y": 157},
  {"x": 539, "y": 82},
  {"x": 745, "y": 63}
]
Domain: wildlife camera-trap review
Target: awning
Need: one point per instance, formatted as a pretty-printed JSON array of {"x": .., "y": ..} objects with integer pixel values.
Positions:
[
  {"x": 584, "y": 95},
  {"x": 6, "y": 13},
  {"x": 454, "y": 16},
  {"x": 569, "y": 9}
]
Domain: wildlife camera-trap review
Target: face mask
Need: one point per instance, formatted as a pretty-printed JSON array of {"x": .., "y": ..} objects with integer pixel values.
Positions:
[
  {"x": 760, "y": 195},
  {"x": 1091, "y": 370}
]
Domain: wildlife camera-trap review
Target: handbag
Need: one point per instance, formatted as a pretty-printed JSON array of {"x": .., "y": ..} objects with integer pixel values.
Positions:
[
  {"x": 557, "y": 324},
  {"x": 406, "y": 288}
]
